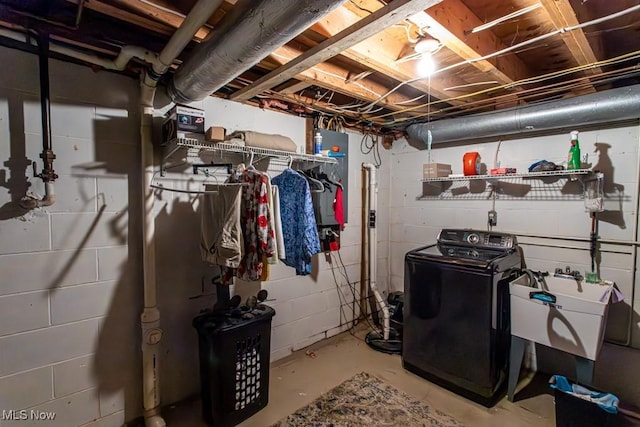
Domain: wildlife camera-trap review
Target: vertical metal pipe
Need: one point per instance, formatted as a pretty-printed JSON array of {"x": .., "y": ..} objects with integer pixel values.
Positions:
[
  {"x": 48, "y": 175},
  {"x": 45, "y": 103}
]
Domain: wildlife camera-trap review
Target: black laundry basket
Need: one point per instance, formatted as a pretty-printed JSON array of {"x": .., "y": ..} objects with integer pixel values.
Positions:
[
  {"x": 234, "y": 363},
  {"x": 572, "y": 411}
]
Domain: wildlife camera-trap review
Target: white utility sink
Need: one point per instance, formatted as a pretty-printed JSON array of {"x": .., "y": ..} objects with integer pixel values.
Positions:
[{"x": 572, "y": 318}]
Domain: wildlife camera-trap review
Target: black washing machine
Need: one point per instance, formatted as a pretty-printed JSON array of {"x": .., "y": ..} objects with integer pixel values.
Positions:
[{"x": 456, "y": 312}]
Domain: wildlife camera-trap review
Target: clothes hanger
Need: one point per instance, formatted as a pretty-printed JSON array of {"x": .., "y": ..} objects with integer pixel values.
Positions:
[{"x": 320, "y": 186}]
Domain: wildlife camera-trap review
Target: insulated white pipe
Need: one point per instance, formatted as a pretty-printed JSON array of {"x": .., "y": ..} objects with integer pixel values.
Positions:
[
  {"x": 118, "y": 64},
  {"x": 372, "y": 186},
  {"x": 150, "y": 317},
  {"x": 198, "y": 16}
]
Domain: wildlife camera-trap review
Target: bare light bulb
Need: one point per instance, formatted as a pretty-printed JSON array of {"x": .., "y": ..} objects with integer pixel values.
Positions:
[{"x": 426, "y": 65}]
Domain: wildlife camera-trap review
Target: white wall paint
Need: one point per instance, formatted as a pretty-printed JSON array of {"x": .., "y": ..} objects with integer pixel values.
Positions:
[
  {"x": 416, "y": 223},
  {"x": 70, "y": 275}
]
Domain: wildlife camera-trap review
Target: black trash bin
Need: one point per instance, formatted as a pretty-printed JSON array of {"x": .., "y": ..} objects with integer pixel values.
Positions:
[
  {"x": 234, "y": 363},
  {"x": 573, "y": 411}
]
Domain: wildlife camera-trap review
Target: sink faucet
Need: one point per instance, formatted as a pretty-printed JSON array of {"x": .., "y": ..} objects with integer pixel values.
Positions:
[
  {"x": 537, "y": 276},
  {"x": 567, "y": 273}
]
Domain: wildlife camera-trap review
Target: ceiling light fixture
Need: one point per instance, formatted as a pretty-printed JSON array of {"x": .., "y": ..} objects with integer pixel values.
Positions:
[
  {"x": 427, "y": 45},
  {"x": 506, "y": 18}
]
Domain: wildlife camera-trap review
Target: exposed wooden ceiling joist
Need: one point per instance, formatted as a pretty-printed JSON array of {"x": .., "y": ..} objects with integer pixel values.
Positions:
[
  {"x": 379, "y": 53},
  {"x": 361, "y": 30},
  {"x": 293, "y": 88},
  {"x": 562, "y": 15},
  {"x": 379, "y": 79},
  {"x": 158, "y": 13},
  {"x": 451, "y": 23},
  {"x": 126, "y": 16},
  {"x": 333, "y": 77}
]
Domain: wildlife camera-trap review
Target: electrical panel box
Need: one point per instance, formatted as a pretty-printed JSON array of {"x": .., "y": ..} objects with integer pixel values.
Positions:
[
  {"x": 323, "y": 202},
  {"x": 183, "y": 122}
]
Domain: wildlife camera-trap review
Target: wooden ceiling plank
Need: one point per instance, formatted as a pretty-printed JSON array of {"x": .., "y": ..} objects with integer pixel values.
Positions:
[
  {"x": 365, "y": 28},
  {"x": 123, "y": 15},
  {"x": 451, "y": 22},
  {"x": 379, "y": 53},
  {"x": 294, "y": 88},
  {"x": 333, "y": 77},
  {"x": 314, "y": 104},
  {"x": 159, "y": 13},
  {"x": 562, "y": 15}
]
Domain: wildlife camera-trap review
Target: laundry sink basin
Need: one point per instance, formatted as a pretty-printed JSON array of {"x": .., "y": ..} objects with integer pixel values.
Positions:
[{"x": 566, "y": 314}]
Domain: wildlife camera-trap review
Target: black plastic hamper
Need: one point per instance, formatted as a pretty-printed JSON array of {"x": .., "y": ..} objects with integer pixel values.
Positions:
[
  {"x": 572, "y": 411},
  {"x": 234, "y": 364}
]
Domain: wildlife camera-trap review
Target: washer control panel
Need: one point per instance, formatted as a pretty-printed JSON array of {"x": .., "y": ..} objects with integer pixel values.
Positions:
[{"x": 477, "y": 238}]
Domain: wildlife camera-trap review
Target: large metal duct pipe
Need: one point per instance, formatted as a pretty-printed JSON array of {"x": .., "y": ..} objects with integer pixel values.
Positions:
[
  {"x": 252, "y": 31},
  {"x": 601, "y": 107}
]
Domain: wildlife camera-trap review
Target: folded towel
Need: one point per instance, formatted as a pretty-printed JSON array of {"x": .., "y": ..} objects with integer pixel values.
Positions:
[{"x": 265, "y": 140}]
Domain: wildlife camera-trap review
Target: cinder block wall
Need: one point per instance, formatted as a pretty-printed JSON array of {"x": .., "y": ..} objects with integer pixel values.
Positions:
[
  {"x": 71, "y": 274},
  {"x": 613, "y": 150}
]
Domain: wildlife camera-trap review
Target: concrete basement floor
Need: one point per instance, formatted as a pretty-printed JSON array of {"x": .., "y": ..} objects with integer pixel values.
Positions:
[{"x": 299, "y": 379}]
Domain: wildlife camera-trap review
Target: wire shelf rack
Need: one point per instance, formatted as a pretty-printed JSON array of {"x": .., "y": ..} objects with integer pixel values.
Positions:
[
  {"x": 547, "y": 185},
  {"x": 512, "y": 176},
  {"x": 239, "y": 149}
]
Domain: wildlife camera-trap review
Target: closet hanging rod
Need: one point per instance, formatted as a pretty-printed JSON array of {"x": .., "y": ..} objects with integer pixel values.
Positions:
[
  {"x": 229, "y": 166},
  {"x": 176, "y": 190}
]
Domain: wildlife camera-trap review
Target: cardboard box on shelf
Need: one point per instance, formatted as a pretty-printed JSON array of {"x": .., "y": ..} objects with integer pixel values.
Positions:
[
  {"x": 436, "y": 170},
  {"x": 216, "y": 133},
  {"x": 183, "y": 122}
]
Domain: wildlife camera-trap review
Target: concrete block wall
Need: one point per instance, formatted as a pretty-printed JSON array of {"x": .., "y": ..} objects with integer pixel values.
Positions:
[
  {"x": 69, "y": 273},
  {"x": 614, "y": 150}
]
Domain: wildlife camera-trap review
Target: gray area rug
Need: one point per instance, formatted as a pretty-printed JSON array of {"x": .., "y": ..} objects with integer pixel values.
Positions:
[{"x": 364, "y": 400}]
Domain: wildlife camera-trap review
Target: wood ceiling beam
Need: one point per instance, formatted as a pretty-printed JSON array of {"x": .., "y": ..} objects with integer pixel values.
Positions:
[
  {"x": 333, "y": 77},
  {"x": 372, "y": 24},
  {"x": 126, "y": 16},
  {"x": 314, "y": 104},
  {"x": 294, "y": 88},
  {"x": 451, "y": 22},
  {"x": 379, "y": 53},
  {"x": 159, "y": 13},
  {"x": 562, "y": 15}
]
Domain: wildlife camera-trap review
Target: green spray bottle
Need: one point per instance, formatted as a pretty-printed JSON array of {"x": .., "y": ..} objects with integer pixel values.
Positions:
[{"x": 573, "y": 159}]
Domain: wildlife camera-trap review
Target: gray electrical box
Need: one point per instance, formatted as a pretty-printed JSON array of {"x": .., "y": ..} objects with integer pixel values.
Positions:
[{"x": 323, "y": 202}]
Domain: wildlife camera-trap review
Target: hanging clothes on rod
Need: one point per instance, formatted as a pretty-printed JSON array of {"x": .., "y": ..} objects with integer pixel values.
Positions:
[
  {"x": 318, "y": 186},
  {"x": 282, "y": 254},
  {"x": 221, "y": 237},
  {"x": 338, "y": 206},
  {"x": 299, "y": 230},
  {"x": 257, "y": 233}
]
